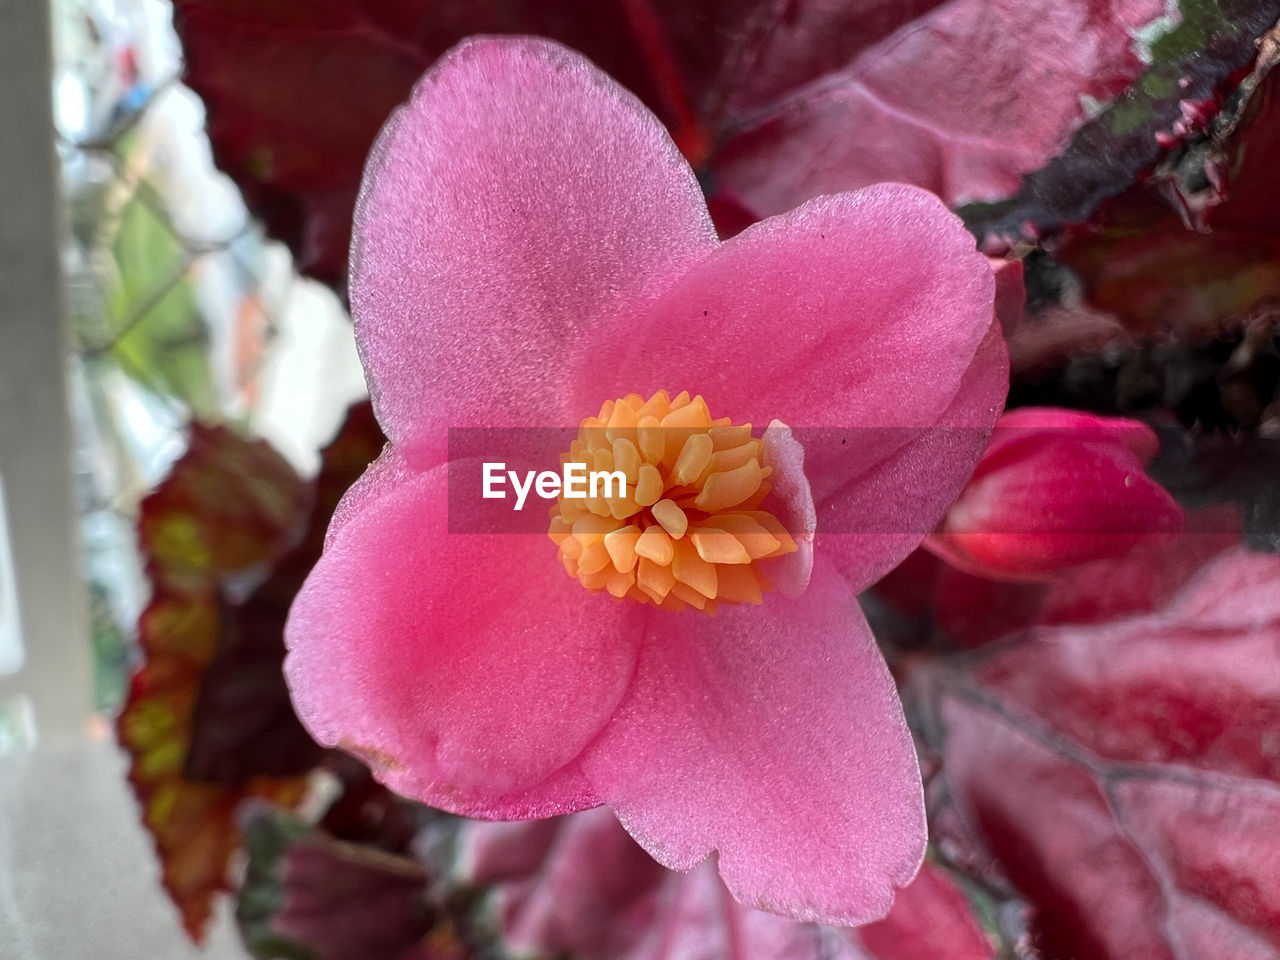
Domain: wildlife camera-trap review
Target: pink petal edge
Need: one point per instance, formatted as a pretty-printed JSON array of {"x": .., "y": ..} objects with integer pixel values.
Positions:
[
  {"x": 518, "y": 202},
  {"x": 469, "y": 689},
  {"x": 775, "y": 736},
  {"x": 791, "y": 501}
]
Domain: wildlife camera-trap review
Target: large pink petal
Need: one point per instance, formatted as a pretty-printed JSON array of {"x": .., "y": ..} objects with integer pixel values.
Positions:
[
  {"x": 864, "y": 322},
  {"x": 775, "y": 736},
  {"x": 467, "y": 669},
  {"x": 825, "y": 316},
  {"x": 521, "y": 199}
]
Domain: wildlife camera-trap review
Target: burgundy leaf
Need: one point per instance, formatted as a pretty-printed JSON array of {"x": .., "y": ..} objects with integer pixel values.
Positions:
[
  {"x": 1140, "y": 263},
  {"x": 229, "y": 508},
  {"x": 296, "y": 91},
  {"x": 1122, "y": 774},
  {"x": 776, "y": 101},
  {"x": 244, "y": 724},
  {"x": 308, "y": 895},
  {"x": 208, "y": 722},
  {"x": 1197, "y": 249}
]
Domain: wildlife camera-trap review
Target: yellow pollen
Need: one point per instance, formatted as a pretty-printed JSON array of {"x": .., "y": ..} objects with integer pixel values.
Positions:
[{"x": 689, "y": 527}]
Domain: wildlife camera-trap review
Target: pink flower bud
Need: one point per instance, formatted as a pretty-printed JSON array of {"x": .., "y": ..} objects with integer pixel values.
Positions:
[{"x": 1055, "y": 489}]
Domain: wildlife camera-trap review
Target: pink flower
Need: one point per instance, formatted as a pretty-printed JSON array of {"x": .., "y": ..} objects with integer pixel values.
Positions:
[
  {"x": 529, "y": 245},
  {"x": 1056, "y": 489}
]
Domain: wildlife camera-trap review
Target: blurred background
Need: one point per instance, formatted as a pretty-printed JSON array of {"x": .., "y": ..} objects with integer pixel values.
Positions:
[{"x": 177, "y": 307}]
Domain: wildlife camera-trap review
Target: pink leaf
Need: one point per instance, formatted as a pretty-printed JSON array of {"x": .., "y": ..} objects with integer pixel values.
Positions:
[{"x": 1122, "y": 774}]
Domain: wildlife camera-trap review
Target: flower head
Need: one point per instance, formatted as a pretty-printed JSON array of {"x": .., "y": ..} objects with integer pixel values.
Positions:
[{"x": 530, "y": 245}]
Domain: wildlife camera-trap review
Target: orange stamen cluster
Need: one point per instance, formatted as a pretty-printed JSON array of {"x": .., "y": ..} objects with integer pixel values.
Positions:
[{"x": 688, "y": 529}]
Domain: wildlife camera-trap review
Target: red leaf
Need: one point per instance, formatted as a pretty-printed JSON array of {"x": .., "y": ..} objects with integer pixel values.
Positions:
[
  {"x": 1209, "y": 256},
  {"x": 930, "y": 918},
  {"x": 229, "y": 507},
  {"x": 778, "y": 101},
  {"x": 1124, "y": 775},
  {"x": 208, "y": 722},
  {"x": 308, "y": 895}
]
